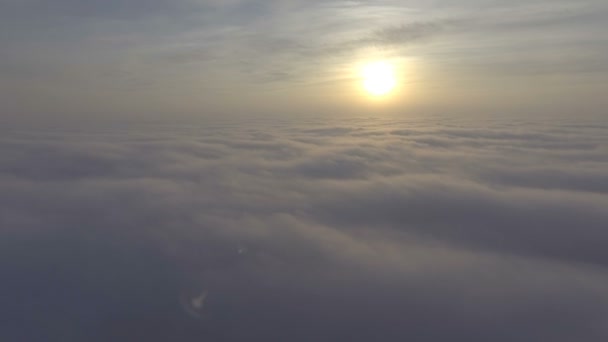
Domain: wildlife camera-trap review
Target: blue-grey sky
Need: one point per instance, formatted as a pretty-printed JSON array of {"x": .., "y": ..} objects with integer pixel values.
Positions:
[{"x": 206, "y": 58}]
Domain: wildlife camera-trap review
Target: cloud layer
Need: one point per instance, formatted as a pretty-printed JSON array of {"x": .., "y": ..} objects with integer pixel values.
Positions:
[{"x": 364, "y": 230}]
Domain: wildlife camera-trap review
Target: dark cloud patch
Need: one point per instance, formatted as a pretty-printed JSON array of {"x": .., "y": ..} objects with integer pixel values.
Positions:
[
  {"x": 85, "y": 285},
  {"x": 375, "y": 229},
  {"x": 512, "y": 221},
  {"x": 408, "y": 33},
  {"x": 333, "y": 167},
  {"x": 131, "y": 9},
  {"x": 547, "y": 178}
]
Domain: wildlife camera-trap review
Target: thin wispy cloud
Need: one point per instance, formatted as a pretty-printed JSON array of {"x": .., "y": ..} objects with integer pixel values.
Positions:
[{"x": 118, "y": 47}]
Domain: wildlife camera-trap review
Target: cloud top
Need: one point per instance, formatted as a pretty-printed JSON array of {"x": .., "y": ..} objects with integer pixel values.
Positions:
[{"x": 373, "y": 229}]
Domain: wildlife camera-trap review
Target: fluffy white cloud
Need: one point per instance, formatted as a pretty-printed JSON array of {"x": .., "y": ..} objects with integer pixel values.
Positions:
[{"x": 374, "y": 229}]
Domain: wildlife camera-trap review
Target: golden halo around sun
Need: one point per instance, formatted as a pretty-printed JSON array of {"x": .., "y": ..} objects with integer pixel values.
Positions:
[{"x": 379, "y": 78}]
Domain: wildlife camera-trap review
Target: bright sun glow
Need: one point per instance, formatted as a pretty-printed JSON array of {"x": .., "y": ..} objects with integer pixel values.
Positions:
[{"x": 379, "y": 78}]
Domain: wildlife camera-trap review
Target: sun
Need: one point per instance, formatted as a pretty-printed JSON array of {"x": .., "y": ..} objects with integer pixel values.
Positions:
[{"x": 379, "y": 78}]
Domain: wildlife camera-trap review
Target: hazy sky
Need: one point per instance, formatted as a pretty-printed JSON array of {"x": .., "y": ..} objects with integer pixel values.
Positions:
[{"x": 209, "y": 57}]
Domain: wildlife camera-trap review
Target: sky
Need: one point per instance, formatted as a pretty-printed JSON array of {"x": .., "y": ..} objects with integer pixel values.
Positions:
[
  {"x": 198, "y": 58},
  {"x": 217, "y": 171}
]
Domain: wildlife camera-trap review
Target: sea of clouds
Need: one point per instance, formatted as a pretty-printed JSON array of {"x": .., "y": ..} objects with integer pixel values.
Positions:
[{"x": 369, "y": 229}]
